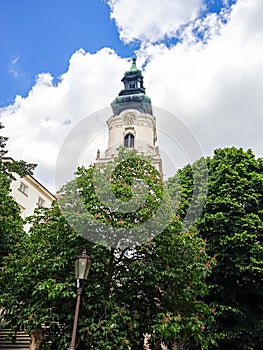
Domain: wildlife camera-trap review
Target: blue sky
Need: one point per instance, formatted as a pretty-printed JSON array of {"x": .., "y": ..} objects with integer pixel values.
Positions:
[
  {"x": 62, "y": 60},
  {"x": 40, "y": 36}
]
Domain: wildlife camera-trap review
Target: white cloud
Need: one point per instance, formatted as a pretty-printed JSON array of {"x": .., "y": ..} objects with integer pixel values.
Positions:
[
  {"x": 215, "y": 86},
  {"x": 152, "y": 20},
  {"x": 37, "y": 124}
]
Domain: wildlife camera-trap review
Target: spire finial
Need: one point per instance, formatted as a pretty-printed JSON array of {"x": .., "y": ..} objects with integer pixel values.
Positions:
[{"x": 133, "y": 67}]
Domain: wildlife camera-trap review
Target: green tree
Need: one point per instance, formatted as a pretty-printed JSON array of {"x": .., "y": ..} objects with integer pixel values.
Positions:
[
  {"x": 231, "y": 223},
  {"x": 139, "y": 284},
  {"x": 12, "y": 233},
  {"x": 155, "y": 287},
  {"x": 3, "y": 141},
  {"x": 37, "y": 279},
  {"x": 121, "y": 204},
  {"x": 11, "y": 224}
]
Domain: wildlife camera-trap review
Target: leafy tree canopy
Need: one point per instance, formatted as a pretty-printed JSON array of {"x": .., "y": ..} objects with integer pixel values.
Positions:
[
  {"x": 121, "y": 204},
  {"x": 155, "y": 287},
  {"x": 231, "y": 223},
  {"x": 11, "y": 225}
]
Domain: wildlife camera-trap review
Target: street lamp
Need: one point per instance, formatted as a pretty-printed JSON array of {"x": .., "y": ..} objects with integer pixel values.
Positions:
[{"x": 82, "y": 268}]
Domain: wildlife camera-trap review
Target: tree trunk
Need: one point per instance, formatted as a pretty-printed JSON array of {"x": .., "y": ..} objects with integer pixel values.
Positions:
[{"x": 36, "y": 337}]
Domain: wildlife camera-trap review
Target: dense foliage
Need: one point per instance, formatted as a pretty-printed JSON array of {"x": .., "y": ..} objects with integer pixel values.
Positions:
[
  {"x": 121, "y": 204},
  {"x": 232, "y": 225},
  {"x": 134, "y": 292},
  {"x": 36, "y": 277},
  {"x": 11, "y": 226},
  {"x": 3, "y": 140}
]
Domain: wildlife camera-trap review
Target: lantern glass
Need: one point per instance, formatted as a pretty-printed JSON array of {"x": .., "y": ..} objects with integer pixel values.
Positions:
[{"x": 82, "y": 266}]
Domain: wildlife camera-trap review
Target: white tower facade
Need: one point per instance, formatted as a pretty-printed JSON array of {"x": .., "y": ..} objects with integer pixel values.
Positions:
[{"x": 132, "y": 124}]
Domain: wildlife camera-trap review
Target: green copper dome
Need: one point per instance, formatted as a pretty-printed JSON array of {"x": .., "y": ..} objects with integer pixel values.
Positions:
[{"x": 133, "y": 95}]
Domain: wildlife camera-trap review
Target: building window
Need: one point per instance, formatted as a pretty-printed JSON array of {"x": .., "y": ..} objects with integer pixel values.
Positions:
[
  {"x": 40, "y": 202},
  {"x": 132, "y": 86},
  {"x": 23, "y": 188},
  {"x": 129, "y": 141}
]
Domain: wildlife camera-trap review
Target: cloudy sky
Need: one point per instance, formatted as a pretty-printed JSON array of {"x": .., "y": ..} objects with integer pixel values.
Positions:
[{"x": 61, "y": 62}]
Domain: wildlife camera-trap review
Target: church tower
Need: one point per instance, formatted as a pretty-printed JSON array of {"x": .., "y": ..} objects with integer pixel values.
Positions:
[{"x": 132, "y": 124}]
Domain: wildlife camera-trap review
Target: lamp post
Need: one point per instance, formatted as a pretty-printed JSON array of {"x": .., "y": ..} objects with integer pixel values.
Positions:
[{"x": 82, "y": 268}]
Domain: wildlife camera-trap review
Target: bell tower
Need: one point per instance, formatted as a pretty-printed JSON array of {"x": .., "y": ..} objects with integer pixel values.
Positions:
[{"x": 132, "y": 124}]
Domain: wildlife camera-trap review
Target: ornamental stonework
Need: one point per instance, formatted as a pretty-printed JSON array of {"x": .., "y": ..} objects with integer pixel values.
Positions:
[{"x": 129, "y": 118}]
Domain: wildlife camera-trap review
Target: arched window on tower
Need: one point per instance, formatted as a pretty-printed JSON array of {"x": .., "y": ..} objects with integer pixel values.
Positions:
[{"x": 129, "y": 140}]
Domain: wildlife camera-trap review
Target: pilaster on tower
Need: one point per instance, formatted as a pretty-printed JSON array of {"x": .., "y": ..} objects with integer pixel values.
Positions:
[{"x": 132, "y": 124}]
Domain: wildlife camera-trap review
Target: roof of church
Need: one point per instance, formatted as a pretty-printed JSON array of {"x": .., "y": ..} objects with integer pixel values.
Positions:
[{"x": 133, "y": 95}]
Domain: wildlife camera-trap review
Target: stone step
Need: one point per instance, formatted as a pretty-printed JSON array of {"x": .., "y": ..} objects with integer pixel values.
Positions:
[{"x": 10, "y": 340}]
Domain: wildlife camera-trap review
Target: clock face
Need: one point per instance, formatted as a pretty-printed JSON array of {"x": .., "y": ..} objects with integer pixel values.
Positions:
[{"x": 129, "y": 118}]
